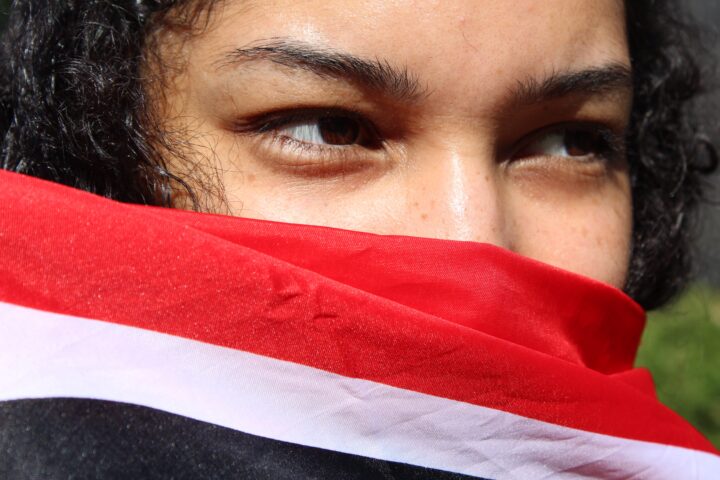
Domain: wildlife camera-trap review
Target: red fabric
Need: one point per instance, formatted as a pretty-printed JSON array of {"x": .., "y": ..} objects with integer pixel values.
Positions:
[{"x": 461, "y": 320}]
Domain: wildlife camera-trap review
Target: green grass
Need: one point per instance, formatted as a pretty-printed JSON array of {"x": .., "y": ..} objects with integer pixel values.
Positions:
[{"x": 681, "y": 347}]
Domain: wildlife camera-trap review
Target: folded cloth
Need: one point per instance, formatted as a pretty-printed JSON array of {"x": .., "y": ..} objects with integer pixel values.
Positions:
[{"x": 140, "y": 342}]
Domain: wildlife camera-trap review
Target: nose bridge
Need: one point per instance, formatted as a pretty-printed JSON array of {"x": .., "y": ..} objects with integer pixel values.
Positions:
[{"x": 459, "y": 194}]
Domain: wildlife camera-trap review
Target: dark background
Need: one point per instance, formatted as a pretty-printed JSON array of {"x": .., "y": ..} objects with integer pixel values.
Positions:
[{"x": 708, "y": 11}]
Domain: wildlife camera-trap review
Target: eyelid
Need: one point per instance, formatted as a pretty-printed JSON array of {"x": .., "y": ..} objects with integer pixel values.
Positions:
[
  {"x": 614, "y": 141},
  {"x": 269, "y": 121},
  {"x": 311, "y": 159}
]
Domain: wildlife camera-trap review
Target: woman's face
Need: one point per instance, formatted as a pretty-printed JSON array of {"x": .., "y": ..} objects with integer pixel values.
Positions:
[{"x": 488, "y": 121}]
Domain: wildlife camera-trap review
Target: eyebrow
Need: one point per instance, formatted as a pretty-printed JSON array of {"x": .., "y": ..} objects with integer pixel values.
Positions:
[
  {"x": 603, "y": 80},
  {"x": 400, "y": 84},
  {"x": 377, "y": 75}
]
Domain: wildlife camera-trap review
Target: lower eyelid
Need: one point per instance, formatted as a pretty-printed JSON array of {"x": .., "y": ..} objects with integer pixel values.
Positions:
[
  {"x": 303, "y": 159},
  {"x": 307, "y": 148},
  {"x": 613, "y": 143},
  {"x": 558, "y": 173}
]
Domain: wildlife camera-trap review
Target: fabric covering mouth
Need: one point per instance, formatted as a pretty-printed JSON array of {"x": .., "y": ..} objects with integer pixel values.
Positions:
[{"x": 183, "y": 302}]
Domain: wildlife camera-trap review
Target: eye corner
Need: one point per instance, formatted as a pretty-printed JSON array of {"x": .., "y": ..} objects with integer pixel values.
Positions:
[
  {"x": 316, "y": 142},
  {"x": 576, "y": 141}
]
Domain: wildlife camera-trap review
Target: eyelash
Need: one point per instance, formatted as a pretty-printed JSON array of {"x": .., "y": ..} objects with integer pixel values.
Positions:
[
  {"x": 611, "y": 144},
  {"x": 308, "y": 157},
  {"x": 312, "y": 158}
]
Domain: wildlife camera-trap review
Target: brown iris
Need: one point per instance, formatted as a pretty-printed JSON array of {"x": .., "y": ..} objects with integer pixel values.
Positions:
[{"x": 338, "y": 130}]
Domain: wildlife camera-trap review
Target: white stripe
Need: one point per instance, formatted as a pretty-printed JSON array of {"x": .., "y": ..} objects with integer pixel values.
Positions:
[{"x": 48, "y": 355}]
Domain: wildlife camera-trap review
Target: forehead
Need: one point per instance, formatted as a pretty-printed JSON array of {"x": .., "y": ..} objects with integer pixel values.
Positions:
[
  {"x": 468, "y": 54},
  {"x": 461, "y": 48}
]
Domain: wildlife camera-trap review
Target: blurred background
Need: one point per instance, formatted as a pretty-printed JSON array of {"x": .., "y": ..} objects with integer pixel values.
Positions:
[{"x": 681, "y": 345}]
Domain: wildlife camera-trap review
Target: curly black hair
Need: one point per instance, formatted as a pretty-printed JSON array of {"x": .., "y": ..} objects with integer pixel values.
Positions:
[{"x": 73, "y": 109}]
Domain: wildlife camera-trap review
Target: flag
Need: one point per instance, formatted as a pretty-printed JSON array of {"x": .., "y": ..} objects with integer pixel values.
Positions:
[{"x": 141, "y": 342}]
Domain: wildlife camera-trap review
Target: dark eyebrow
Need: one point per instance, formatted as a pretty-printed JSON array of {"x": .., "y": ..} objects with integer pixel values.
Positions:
[
  {"x": 604, "y": 80},
  {"x": 377, "y": 75}
]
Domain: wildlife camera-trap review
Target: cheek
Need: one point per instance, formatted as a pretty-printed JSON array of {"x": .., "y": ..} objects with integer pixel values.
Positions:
[{"x": 589, "y": 234}]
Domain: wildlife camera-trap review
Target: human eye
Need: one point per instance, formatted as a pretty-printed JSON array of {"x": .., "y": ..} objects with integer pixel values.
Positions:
[
  {"x": 575, "y": 142},
  {"x": 317, "y": 141},
  {"x": 329, "y": 130}
]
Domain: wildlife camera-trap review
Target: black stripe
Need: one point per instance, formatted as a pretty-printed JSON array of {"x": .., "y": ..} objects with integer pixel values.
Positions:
[{"x": 79, "y": 439}]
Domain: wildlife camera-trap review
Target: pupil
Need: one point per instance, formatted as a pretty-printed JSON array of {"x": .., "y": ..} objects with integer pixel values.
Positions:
[
  {"x": 580, "y": 144},
  {"x": 339, "y": 130}
]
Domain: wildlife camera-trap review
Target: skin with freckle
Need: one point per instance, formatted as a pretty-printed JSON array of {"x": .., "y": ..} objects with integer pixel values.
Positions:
[{"x": 464, "y": 159}]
